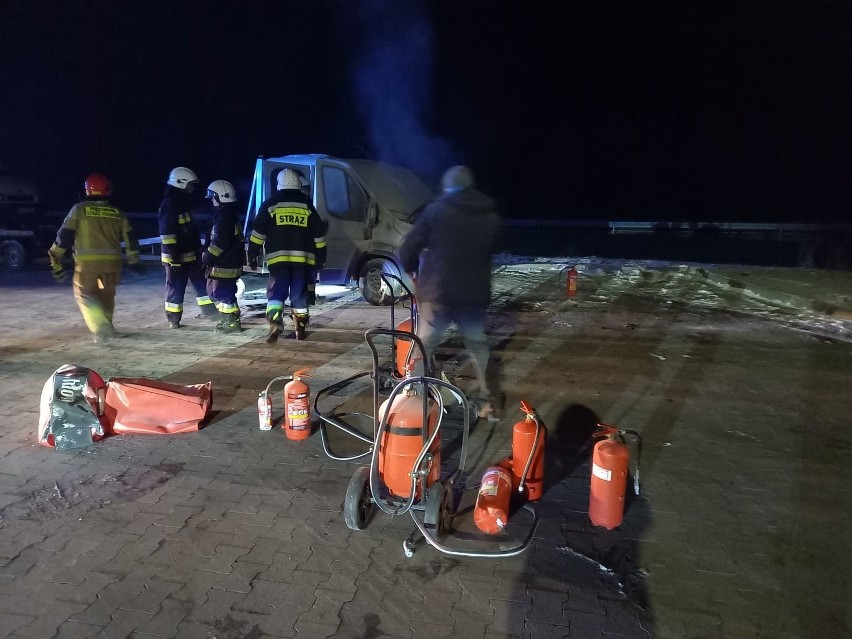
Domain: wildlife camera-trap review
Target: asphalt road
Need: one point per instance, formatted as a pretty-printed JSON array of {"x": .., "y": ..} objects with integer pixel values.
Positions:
[{"x": 739, "y": 529}]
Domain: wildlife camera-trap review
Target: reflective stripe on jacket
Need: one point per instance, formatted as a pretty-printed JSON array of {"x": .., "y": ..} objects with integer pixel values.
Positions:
[
  {"x": 289, "y": 228},
  {"x": 95, "y": 229}
]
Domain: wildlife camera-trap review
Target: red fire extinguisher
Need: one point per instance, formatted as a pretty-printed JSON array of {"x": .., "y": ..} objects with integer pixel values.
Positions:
[
  {"x": 403, "y": 349},
  {"x": 403, "y": 440},
  {"x": 610, "y": 463},
  {"x": 528, "y": 437},
  {"x": 491, "y": 513},
  {"x": 571, "y": 282},
  {"x": 297, "y": 407}
]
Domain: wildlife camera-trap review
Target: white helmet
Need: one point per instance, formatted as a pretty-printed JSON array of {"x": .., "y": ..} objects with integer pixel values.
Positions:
[
  {"x": 222, "y": 190},
  {"x": 181, "y": 176},
  {"x": 289, "y": 179}
]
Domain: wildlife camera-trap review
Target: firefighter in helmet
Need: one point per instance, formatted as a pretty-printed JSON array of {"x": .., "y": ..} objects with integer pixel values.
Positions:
[
  {"x": 180, "y": 247},
  {"x": 224, "y": 256},
  {"x": 289, "y": 229},
  {"x": 95, "y": 229}
]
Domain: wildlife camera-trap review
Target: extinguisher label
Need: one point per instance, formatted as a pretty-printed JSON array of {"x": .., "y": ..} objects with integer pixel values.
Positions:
[
  {"x": 491, "y": 479},
  {"x": 297, "y": 412},
  {"x": 601, "y": 473}
]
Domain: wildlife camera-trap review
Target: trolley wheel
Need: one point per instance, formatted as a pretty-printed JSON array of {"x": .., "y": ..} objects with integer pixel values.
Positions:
[
  {"x": 439, "y": 508},
  {"x": 358, "y": 505}
]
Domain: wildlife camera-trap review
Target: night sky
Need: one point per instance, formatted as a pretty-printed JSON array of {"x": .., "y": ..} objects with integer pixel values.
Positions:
[{"x": 633, "y": 111}]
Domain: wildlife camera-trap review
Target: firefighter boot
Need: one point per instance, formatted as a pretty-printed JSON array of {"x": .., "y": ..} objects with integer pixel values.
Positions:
[
  {"x": 300, "y": 323},
  {"x": 229, "y": 324},
  {"x": 276, "y": 327}
]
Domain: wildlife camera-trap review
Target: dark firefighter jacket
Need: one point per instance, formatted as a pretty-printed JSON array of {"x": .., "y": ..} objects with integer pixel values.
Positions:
[
  {"x": 180, "y": 241},
  {"x": 225, "y": 252},
  {"x": 450, "y": 248},
  {"x": 95, "y": 229},
  {"x": 291, "y": 230}
]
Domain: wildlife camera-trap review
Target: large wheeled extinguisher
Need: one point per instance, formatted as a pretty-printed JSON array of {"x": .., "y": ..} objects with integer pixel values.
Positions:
[
  {"x": 571, "y": 282},
  {"x": 297, "y": 407},
  {"x": 404, "y": 439},
  {"x": 610, "y": 464}
]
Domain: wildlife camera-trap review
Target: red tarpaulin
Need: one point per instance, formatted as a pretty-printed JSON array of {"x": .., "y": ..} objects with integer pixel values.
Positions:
[{"x": 138, "y": 405}]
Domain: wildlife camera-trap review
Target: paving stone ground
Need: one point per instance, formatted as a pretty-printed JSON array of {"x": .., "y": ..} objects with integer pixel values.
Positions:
[{"x": 233, "y": 532}]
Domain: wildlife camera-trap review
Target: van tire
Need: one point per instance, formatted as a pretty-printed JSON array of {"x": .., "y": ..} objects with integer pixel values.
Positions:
[
  {"x": 13, "y": 255},
  {"x": 373, "y": 287}
]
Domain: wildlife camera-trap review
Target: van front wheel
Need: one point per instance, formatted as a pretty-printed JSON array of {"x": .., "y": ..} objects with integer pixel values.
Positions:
[{"x": 374, "y": 289}]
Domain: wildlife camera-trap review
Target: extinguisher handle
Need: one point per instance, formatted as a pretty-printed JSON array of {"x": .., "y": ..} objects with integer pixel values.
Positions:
[
  {"x": 302, "y": 373},
  {"x": 606, "y": 430},
  {"x": 529, "y": 410}
]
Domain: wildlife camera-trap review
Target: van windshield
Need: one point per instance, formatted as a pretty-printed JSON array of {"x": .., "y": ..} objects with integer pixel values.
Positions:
[{"x": 397, "y": 188}]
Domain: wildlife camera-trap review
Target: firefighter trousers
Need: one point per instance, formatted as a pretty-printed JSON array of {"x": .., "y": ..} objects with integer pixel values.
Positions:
[
  {"x": 286, "y": 281},
  {"x": 223, "y": 292},
  {"x": 95, "y": 296},
  {"x": 176, "y": 281}
]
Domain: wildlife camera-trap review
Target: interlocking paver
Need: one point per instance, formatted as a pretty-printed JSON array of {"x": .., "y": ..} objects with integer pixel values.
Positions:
[{"x": 167, "y": 619}]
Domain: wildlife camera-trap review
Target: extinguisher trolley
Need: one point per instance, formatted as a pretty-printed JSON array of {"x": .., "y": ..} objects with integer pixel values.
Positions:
[{"x": 405, "y": 475}]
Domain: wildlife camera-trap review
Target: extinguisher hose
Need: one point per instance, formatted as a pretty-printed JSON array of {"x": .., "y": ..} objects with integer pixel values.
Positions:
[
  {"x": 538, "y": 430},
  {"x": 277, "y": 379},
  {"x": 418, "y": 462},
  {"x": 636, "y": 444}
]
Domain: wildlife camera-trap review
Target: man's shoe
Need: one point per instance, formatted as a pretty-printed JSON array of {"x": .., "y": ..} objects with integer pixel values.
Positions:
[
  {"x": 174, "y": 324},
  {"x": 101, "y": 338},
  {"x": 486, "y": 411}
]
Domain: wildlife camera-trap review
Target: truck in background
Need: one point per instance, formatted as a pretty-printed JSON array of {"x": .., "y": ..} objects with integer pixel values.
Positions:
[
  {"x": 366, "y": 206},
  {"x": 20, "y": 215}
]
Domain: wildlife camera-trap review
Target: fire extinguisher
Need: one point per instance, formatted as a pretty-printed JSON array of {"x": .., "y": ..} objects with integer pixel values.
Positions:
[
  {"x": 571, "y": 282},
  {"x": 264, "y": 410},
  {"x": 528, "y": 437},
  {"x": 401, "y": 443},
  {"x": 610, "y": 463},
  {"x": 403, "y": 349},
  {"x": 491, "y": 513},
  {"x": 297, "y": 407}
]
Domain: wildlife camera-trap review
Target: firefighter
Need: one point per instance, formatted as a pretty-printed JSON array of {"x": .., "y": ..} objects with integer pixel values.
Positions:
[
  {"x": 313, "y": 271},
  {"x": 95, "y": 229},
  {"x": 289, "y": 229},
  {"x": 224, "y": 255},
  {"x": 448, "y": 253},
  {"x": 180, "y": 247}
]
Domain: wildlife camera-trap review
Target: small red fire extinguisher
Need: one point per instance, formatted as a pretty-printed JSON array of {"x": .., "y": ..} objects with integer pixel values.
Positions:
[
  {"x": 571, "y": 282},
  {"x": 297, "y": 407},
  {"x": 528, "y": 437},
  {"x": 610, "y": 462},
  {"x": 491, "y": 513}
]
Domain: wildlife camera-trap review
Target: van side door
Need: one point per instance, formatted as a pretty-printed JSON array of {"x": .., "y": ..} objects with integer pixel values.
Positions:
[{"x": 343, "y": 203}]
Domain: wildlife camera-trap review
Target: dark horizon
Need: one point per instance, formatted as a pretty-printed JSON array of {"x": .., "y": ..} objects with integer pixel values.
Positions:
[{"x": 710, "y": 111}]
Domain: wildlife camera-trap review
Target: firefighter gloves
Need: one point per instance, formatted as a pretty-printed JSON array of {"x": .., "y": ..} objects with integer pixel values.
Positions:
[{"x": 58, "y": 272}]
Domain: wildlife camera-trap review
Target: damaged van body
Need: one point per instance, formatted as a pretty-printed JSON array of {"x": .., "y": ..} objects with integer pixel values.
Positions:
[{"x": 366, "y": 207}]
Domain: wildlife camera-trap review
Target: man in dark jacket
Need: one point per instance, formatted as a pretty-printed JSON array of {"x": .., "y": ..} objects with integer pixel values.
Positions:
[
  {"x": 292, "y": 233},
  {"x": 448, "y": 252},
  {"x": 223, "y": 259},
  {"x": 180, "y": 247}
]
